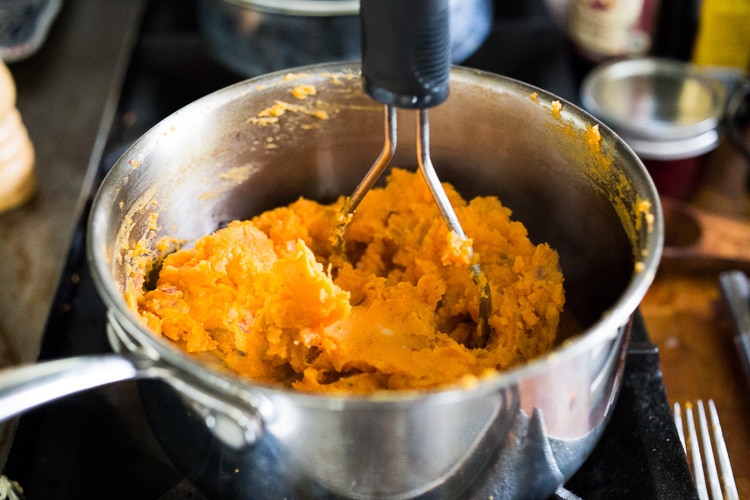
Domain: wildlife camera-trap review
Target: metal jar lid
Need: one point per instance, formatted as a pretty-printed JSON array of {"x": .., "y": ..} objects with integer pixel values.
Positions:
[{"x": 664, "y": 109}]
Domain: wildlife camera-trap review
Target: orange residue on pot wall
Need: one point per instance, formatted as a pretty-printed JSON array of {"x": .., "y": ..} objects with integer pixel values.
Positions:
[
  {"x": 272, "y": 113},
  {"x": 632, "y": 210},
  {"x": 556, "y": 108},
  {"x": 586, "y": 144}
]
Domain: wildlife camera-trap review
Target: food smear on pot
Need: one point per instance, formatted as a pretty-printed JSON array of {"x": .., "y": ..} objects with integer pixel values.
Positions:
[
  {"x": 272, "y": 113},
  {"x": 302, "y": 92},
  {"x": 275, "y": 301},
  {"x": 556, "y": 108}
]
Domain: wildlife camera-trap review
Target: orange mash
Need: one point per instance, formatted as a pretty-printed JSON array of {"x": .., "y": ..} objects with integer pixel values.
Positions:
[{"x": 274, "y": 300}]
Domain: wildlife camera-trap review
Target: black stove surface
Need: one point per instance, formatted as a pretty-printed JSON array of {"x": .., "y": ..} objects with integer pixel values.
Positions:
[{"x": 98, "y": 444}]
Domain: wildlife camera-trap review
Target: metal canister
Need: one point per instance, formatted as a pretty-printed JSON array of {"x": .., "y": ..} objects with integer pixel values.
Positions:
[{"x": 668, "y": 111}]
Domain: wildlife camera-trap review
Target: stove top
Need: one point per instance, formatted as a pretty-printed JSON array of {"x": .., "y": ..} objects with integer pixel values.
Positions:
[{"x": 99, "y": 444}]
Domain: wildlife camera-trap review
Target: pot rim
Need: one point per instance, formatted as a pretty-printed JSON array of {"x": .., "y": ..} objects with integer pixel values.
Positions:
[
  {"x": 303, "y": 8},
  {"x": 610, "y": 324}
]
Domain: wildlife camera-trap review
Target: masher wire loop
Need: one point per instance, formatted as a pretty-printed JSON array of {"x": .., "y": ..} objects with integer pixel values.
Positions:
[
  {"x": 381, "y": 163},
  {"x": 441, "y": 199},
  {"x": 406, "y": 64},
  {"x": 451, "y": 219}
]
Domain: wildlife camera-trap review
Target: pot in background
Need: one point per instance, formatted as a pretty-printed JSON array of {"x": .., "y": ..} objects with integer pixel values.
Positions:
[
  {"x": 24, "y": 26},
  {"x": 254, "y": 37},
  {"x": 520, "y": 434}
]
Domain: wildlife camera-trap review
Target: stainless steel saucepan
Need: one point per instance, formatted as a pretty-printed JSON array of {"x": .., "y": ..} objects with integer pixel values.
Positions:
[{"x": 219, "y": 159}]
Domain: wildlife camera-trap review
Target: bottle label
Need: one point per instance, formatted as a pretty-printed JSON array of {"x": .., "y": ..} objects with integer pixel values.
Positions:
[{"x": 608, "y": 28}]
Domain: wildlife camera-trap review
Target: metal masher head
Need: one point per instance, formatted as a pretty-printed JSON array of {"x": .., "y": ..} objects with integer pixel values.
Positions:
[{"x": 406, "y": 64}]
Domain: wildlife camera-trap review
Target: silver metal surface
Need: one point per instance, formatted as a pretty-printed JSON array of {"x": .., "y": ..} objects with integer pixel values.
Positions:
[
  {"x": 441, "y": 199},
  {"x": 24, "y": 25},
  {"x": 735, "y": 288},
  {"x": 664, "y": 109},
  {"x": 532, "y": 427},
  {"x": 301, "y": 7},
  {"x": 254, "y": 37},
  {"x": 390, "y": 141},
  {"x": 490, "y": 137},
  {"x": 28, "y": 386},
  {"x": 424, "y": 161}
]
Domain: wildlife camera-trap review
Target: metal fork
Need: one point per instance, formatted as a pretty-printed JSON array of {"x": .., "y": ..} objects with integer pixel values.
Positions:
[{"x": 698, "y": 453}]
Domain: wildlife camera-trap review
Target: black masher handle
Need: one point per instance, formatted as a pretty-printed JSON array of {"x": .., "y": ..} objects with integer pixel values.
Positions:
[{"x": 406, "y": 51}]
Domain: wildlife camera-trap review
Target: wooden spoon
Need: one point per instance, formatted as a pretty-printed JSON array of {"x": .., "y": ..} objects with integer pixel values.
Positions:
[{"x": 695, "y": 237}]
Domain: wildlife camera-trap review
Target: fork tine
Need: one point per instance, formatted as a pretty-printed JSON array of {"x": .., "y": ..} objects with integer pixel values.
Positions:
[
  {"x": 678, "y": 423},
  {"x": 708, "y": 453},
  {"x": 727, "y": 476},
  {"x": 695, "y": 453}
]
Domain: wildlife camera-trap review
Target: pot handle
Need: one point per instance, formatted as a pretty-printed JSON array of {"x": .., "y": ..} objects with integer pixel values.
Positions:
[
  {"x": 235, "y": 420},
  {"x": 28, "y": 386}
]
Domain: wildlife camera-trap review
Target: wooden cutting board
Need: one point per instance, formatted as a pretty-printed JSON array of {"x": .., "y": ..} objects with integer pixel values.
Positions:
[{"x": 687, "y": 319}]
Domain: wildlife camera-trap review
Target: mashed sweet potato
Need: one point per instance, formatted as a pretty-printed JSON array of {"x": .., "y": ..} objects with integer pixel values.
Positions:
[{"x": 278, "y": 304}]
